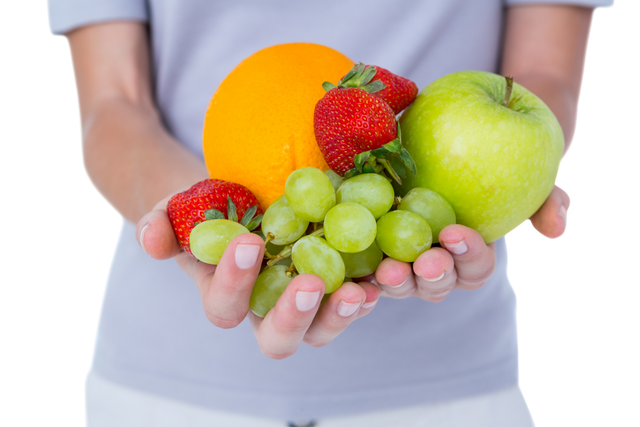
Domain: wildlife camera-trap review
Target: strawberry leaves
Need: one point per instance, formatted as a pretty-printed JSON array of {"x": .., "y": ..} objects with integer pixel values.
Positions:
[
  {"x": 356, "y": 127},
  {"x": 359, "y": 76},
  {"x": 249, "y": 219},
  {"x": 391, "y": 159}
]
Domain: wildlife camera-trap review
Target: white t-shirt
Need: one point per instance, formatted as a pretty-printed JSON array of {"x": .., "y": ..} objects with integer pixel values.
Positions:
[{"x": 154, "y": 335}]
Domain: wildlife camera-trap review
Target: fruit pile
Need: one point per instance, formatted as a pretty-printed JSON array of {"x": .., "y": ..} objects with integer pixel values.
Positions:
[
  {"x": 338, "y": 223},
  {"x": 486, "y": 154},
  {"x": 341, "y": 229}
]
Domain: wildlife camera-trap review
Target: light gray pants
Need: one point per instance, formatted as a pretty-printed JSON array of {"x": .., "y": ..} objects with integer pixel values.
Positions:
[{"x": 112, "y": 405}]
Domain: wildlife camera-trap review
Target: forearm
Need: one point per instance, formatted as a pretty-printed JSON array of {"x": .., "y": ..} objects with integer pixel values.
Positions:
[
  {"x": 544, "y": 49},
  {"x": 131, "y": 158},
  {"x": 128, "y": 153}
]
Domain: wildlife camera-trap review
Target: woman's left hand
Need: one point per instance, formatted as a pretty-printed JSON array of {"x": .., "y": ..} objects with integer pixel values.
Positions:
[{"x": 463, "y": 261}]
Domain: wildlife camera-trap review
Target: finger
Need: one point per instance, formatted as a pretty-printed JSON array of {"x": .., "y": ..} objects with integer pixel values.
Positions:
[
  {"x": 474, "y": 260},
  {"x": 226, "y": 295},
  {"x": 335, "y": 314},
  {"x": 282, "y": 330},
  {"x": 372, "y": 290},
  {"x": 372, "y": 294},
  {"x": 155, "y": 235},
  {"x": 435, "y": 274},
  {"x": 200, "y": 272},
  {"x": 395, "y": 278},
  {"x": 551, "y": 219}
]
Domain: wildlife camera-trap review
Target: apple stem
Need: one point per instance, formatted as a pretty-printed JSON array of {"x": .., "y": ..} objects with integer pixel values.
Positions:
[{"x": 507, "y": 94}]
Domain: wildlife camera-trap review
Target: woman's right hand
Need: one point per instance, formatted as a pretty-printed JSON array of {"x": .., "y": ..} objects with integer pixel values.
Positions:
[{"x": 299, "y": 316}]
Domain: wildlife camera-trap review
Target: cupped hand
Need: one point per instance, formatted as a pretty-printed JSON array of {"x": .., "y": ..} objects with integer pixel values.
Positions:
[
  {"x": 551, "y": 219},
  {"x": 300, "y": 314},
  {"x": 463, "y": 261}
]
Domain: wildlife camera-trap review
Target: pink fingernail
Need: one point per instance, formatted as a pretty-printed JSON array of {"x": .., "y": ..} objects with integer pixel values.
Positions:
[
  {"x": 247, "y": 256},
  {"x": 434, "y": 279},
  {"x": 397, "y": 286},
  {"x": 305, "y": 301},
  {"x": 563, "y": 213},
  {"x": 346, "y": 309},
  {"x": 457, "y": 248},
  {"x": 141, "y": 238},
  {"x": 369, "y": 304}
]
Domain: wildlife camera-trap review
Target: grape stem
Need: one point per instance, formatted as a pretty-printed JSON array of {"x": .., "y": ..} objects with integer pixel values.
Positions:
[
  {"x": 286, "y": 252},
  {"x": 291, "y": 271},
  {"x": 270, "y": 236},
  {"x": 319, "y": 232}
]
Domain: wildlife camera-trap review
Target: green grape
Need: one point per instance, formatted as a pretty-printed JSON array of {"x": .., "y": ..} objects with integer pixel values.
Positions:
[
  {"x": 431, "y": 206},
  {"x": 336, "y": 180},
  {"x": 269, "y": 285},
  {"x": 370, "y": 190},
  {"x": 350, "y": 227},
  {"x": 312, "y": 254},
  {"x": 403, "y": 235},
  {"x": 209, "y": 239},
  {"x": 310, "y": 193},
  {"x": 282, "y": 222},
  {"x": 362, "y": 263}
]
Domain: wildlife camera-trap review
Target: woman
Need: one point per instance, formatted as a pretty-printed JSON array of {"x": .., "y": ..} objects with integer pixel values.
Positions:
[{"x": 145, "y": 72}]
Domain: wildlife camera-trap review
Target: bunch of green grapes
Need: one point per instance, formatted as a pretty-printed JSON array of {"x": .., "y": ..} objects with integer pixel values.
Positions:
[
  {"x": 354, "y": 226},
  {"x": 340, "y": 229}
]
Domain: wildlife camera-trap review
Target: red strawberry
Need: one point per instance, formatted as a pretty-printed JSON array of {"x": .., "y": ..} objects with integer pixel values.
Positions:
[
  {"x": 398, "y": 91},
  {"x": 350, "y": 121},
  {"x": 187, "y": 209}
]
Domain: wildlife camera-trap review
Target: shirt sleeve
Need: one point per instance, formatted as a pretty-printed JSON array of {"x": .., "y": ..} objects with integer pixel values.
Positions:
[
  {"x": 66, "y": 15},
  {"x": 585, "y": 3}
]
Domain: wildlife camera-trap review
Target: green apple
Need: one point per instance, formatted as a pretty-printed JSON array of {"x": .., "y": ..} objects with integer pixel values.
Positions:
[{"x": 493, "y": 153}]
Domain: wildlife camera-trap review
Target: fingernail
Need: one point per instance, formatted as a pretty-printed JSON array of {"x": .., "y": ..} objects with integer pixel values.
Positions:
[
  {"x": 397, "y": 286},
  {"x": 141, "y": 238},
  {"x": 563, "y": 213},
  {"x": 375, "y": 282},
  {"x": 434, "y": 279},
  {"x": 246, "y": 256},
  {"x": 457, "y": 248},
  {"x": 346, "y": 309},
  {"x": 369, "y": 304},
  {"x": 305, "y": 301}
]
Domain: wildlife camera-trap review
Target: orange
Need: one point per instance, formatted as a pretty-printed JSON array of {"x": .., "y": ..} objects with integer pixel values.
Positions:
[{"x": 259, "y": 123}]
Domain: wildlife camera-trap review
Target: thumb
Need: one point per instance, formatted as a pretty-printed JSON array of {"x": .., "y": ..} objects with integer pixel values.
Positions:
[
  {"x": 155, "y": 235},
  {"x": 551, "y": 219}
]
